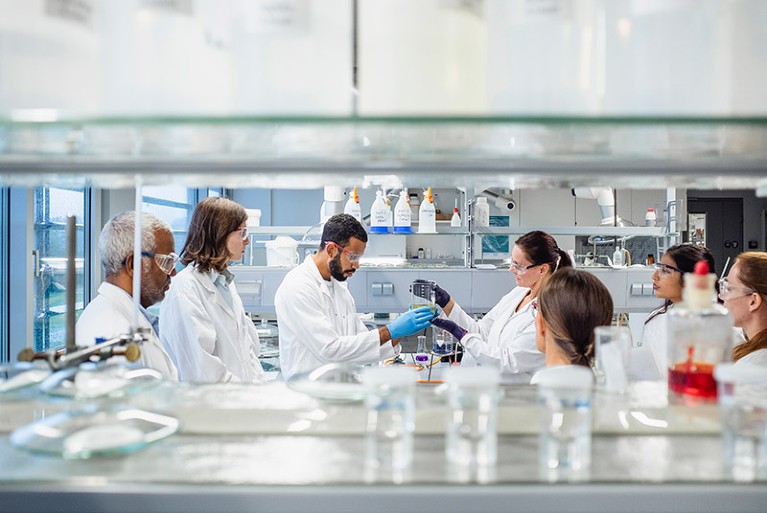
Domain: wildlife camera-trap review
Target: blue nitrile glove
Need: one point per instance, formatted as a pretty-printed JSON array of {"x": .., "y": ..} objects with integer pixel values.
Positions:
[
  {"x": 410, "y": 322},
  {"x": 450, "y": 326}
]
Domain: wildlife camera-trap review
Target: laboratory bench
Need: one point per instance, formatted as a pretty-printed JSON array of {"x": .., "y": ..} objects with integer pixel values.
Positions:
[{"x": 271, "y": 448}]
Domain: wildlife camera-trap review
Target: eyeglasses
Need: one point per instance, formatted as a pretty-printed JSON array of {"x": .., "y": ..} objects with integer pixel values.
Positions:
[
  {"x": 521, "y": 269},
  {"x": 353, "y": 257},
  {"x": 165, "y": 262},
  {"x": 243, "y": 232},
  {"x": 727, "y": 291},
  {"x": 667, "y": 270}
]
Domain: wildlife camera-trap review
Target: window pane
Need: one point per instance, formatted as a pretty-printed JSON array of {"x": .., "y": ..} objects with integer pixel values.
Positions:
[
  {"x": 52, "y": 206},
  {"x": 172, "y": 204},
  {"x": 4, "y": 343}
]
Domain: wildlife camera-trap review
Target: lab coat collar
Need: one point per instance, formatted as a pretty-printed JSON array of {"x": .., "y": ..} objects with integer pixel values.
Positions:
[
  {"x": 206, "y": 280},
  {"x": 120, "y": 297},
  {"x": 322, "y": 284}
]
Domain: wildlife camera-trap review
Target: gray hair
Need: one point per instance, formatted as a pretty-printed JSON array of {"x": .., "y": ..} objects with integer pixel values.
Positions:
[{"x": 116, "y": 240}]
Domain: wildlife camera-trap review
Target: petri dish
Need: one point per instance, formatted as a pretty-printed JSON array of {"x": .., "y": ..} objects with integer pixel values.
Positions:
[
  {"x": 91, "y": 432},
  {"x": 334, "y": 382},
  {"x": 15, "y": 377},
  {"x": 94, "y": 381}
]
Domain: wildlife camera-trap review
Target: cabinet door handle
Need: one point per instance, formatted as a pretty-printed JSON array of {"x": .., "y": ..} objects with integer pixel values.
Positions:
[{"x": 36, "y": 262}]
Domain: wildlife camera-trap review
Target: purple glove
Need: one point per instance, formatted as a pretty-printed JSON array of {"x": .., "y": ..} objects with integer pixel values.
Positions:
[
  {"x": 441, "y": 296},
  {"x": 450, "y": 326}
]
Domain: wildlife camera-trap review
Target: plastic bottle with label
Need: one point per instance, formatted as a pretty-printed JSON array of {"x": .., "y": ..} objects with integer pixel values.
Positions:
[
  {"x": 402, "y": 214},
  {"x": 618, "y": 257},
  {"x": 650, "y": 218},
  {"x": 482, "y": 212},
  {"x": 379, "y": 215},
  {"x": 427, "y": 214},
  {"x": 353, "y": 206}
]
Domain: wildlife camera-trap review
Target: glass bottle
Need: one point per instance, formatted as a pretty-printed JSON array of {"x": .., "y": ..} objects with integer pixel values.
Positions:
[{"x": 699, "y": 336}]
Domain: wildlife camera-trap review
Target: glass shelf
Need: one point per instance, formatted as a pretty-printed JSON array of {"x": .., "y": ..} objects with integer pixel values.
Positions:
[{"x": 310, "y": 152}]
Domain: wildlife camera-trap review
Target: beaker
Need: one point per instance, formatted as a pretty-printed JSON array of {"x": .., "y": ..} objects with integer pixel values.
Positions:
[{"x": 422, "y": 293}]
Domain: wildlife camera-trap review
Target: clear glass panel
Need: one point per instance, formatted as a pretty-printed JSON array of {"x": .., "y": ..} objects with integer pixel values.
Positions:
[
  {"x": 4, "y": 347},
  {"x": 52, "y": 206}
]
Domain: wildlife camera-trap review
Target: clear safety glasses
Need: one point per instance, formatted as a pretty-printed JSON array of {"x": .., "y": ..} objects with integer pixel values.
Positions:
[
  {"x": 729, "y": 291},
  {"x": 353, "y": 257},
  {"x": 521, "y": 269},
  {"x": 243, "y": 232},
  {"x": 165, "y": 262},
  {"x": 666, "y": 270}
]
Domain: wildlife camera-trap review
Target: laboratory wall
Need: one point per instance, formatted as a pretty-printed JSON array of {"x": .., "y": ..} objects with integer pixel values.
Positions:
[{"x": 753, "y": 212}]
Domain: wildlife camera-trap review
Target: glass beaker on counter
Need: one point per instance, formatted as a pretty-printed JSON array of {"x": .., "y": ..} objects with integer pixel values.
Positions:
[{"x": 443, "y": 342}]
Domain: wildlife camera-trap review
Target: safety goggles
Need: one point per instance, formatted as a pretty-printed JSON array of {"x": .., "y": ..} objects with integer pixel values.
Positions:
[
  {"x": 243, "y": 231},
  {"x": 521, "y": 269},
  {"x": 353, "y": 257},
  {"x": 666, "y": 270},
  {"x": 729, "y": 291},
  {"x": 165, "y": 262}
]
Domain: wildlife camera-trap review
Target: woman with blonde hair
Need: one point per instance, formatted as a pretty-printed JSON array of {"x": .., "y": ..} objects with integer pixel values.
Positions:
[
  {"x": 203, "y": 324},
  {"x": 570, "y": 305},
  {"x": 744, "y": 292}
]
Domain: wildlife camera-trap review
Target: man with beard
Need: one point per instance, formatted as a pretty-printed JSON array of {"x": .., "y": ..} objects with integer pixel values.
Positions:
[
  {"x": 316, "y": 312},
  {"x": 110, "y": 314}
]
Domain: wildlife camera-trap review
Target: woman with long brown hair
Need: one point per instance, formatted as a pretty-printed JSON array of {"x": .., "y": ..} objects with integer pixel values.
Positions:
[
  {"x": 203, "y": 324},
  {"x": 571, "y": 304},
  {"x": 744, "y": 292}
]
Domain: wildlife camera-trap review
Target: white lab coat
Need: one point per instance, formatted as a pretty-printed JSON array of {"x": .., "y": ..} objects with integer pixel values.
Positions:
[
  {"x": 649, "y": 360},
  {"x": 110, "y": 314},
  {"x": 756, "y": 359},
  {"x": 209, "y": 340},
  {"x": 319, "y": 324},
  {"x": 503, "y": 338}
]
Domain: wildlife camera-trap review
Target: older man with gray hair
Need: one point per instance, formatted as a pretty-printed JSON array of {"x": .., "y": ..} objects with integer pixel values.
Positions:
[{"x": 110, "y": 314}]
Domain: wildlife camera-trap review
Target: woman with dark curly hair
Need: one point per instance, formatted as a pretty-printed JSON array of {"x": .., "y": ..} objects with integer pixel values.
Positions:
[{"x": 203, "y": 324}]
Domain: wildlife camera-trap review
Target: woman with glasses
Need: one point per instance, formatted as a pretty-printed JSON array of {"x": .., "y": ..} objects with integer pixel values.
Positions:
[
  {"x": 650, "y": 360},
  {"x": 202, "y": 321},
  {"x": 505, "y": 336},
  {"x": 744, "y": 292}
]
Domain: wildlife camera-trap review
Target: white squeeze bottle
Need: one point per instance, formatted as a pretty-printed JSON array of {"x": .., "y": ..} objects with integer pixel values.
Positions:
[
  {"x": 427, "y": 214},
  {"x": 353, "y": 206},
  {"x": 482, "y": 212},
  {"x": 402, "y": 214},
  {"x": 456, "y": 219},
  {"x": 379, "y": 215},
  {"x": 650, "y": 218}
]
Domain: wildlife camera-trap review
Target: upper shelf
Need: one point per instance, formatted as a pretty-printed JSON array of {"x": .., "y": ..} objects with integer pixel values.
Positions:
[{"x": 310, "y": 152}]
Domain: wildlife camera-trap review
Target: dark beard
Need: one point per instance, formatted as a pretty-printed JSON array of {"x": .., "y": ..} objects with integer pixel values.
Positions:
[{"x": 336, "y": 271}]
